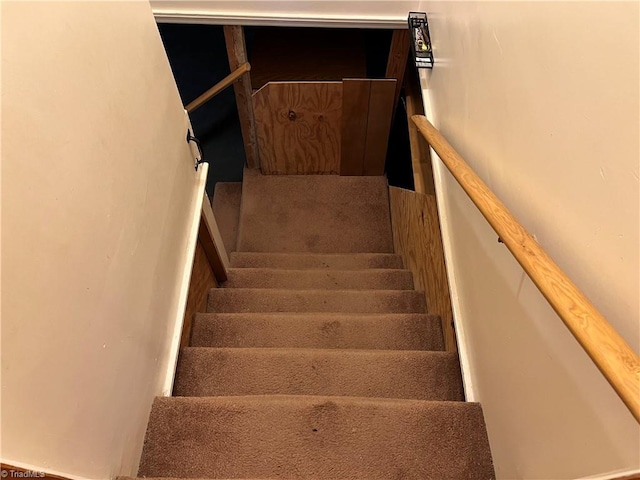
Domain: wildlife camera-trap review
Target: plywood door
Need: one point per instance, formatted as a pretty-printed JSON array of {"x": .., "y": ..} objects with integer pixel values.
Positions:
[
  {"x": 366, "y": 120},
  {"x": 355, "y": 116},
  {"x": 299, "y": 127},
  {"x": 381, "y": 101}
]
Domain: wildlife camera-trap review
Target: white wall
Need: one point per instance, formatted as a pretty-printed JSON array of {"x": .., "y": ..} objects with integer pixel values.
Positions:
[
  {"x": 341, "y": 13},
  {"x": 98, "y": 195},
  {"x": 542, "y": 100}
]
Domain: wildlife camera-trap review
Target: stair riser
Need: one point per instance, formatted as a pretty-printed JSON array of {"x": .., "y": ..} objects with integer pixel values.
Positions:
[
  {"x": 262, "y": 300},
  {"x": 313, "y": 279},
  {"x": 310, "y": 261},
  {"x": 392, "y": 332},
  {"x": 208, "y": 372}
]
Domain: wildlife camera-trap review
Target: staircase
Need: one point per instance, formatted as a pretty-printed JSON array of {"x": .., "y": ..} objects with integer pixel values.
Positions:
[{"x": 316, "y": 359}]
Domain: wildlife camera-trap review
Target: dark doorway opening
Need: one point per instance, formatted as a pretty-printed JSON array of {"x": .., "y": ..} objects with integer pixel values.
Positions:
[{"x": 198, "y": 58}]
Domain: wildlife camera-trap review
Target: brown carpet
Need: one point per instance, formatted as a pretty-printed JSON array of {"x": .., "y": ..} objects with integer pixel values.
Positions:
[
  {"x": 406, "y": 331},
  {"x": 315, "y": 437},
  {"x": 345, "y": 301},
  {"x": 356, "y": 261},
  {"x": 318, "y": 363},
  {"x": 314, "y": 213},
  {"x": 226, "y": 208},
  {"x": 382, "y": 279},
  {"x": 420, "y": 375}
]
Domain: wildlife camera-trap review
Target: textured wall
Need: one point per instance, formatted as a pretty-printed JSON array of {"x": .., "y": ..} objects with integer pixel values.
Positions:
[
  {"x": 542, "y": 100},
  {"x": 97, "y": 189}
]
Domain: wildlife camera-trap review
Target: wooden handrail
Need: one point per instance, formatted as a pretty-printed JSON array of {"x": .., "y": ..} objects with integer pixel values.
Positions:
[
  {"x": 218, "y": 87},
  {"x": 612, "y": 355}
]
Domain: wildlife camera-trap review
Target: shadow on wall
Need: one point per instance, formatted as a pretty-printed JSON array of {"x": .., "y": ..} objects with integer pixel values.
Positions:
[
  {"x": 533, "y": 378},
  {"x": 198, "y": 58}
]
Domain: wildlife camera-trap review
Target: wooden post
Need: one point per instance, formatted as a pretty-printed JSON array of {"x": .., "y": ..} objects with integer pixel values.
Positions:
[
  {"x": 396, "y": 64},
  {"x": 237, "y": 52}
]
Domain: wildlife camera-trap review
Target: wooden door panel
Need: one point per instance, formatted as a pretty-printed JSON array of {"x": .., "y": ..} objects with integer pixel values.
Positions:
[
  {"x": 324, "y": 127},
  {"x": 299, "y": 127}
]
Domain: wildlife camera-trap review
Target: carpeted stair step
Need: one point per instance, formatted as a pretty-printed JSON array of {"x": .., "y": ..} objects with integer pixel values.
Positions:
[
  {"x": 419, "y": 375},
  {"x": 340, "y": 261},
  {"x": 315, "y": 437},
  {"x": 246, "y": 300},
  {"x": 314, "y": 213},
  {"x": 407, "y": 331},
  {"x": 379, "y": 279},
  {"x": 226, "y": 208}
]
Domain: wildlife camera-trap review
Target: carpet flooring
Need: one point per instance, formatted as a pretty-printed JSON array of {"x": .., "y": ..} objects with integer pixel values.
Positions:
[
  {"x": 278, "y": 436},
  {"x": 317, "y": 359},
  {"x": 314, "y": 213},
  {"x": 389, "y": 331}
]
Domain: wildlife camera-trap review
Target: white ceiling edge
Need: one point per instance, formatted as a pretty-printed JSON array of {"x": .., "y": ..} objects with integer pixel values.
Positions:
[{"x": 209, "y": 18}]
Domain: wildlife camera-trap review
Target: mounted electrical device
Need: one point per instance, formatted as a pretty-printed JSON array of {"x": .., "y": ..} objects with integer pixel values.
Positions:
[{"x": 420, "y": 40}]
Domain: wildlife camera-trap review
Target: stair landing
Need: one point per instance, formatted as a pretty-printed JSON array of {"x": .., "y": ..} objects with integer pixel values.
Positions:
[{"x": 314, "y": 214}]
